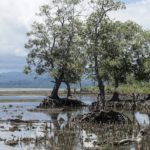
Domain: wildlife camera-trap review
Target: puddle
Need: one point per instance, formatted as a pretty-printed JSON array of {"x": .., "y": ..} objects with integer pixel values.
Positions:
[{"x": 142, "y": 119}]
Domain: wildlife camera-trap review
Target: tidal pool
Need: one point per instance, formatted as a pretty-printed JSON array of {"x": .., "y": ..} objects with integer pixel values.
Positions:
[{"x": 46, "y": 130}]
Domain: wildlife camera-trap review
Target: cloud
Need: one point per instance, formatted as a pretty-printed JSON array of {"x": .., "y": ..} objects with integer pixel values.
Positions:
[
  {"x": 11, "y": 63},
  {"x": 16, "y": 17},
  {"x": 137, "y": 11},
  {"x": 19, "y": 52}
]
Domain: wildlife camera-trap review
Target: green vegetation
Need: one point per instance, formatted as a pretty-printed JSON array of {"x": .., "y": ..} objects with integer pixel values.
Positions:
[
  {"x": 135, "y": 88},
  {"x": 56, "y": 44},
  {"x": 141, "y": 88},
  {"x": 132, "y": 90},
  {"x": 68, "y": 45}
]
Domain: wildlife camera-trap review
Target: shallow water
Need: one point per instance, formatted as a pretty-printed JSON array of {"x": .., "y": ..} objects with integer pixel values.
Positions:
[
  {"x": 55, "y": 126},
  {"x": 16, "y": 98},
  {"x": 142, "y": 118}
]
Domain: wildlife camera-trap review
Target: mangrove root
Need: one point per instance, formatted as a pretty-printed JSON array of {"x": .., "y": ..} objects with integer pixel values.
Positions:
[
  {"x": 105, "y": 117},
  {"x": 54, "y": 103}
]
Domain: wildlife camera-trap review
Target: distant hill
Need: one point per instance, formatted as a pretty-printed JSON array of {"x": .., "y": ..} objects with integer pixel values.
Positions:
[{"x": 20, "y": 80}]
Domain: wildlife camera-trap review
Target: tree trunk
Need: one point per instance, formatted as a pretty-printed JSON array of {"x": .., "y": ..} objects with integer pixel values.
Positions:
[
  {"x": 68, "y": 89},
  {"x": 148, "y": 97},
  {"x": 101, "y": 95},
  {"x": 80, "y": 83},
  {"x": 54, "y": 94},
  {"x": 134, "y": 100},
  {"x": 115, "y": 96}
]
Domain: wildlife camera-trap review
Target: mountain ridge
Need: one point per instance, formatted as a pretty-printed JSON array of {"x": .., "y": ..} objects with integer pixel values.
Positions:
[{"x": 21, "y": 80}]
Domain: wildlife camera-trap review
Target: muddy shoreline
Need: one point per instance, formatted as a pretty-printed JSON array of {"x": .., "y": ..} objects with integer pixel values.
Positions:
[{"x": 22, "y": 126}]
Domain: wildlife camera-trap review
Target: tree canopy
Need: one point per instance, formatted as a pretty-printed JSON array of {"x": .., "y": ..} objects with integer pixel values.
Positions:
[
  {"x": 65, "y": 44},
  {"x": 55, "y": 43}
]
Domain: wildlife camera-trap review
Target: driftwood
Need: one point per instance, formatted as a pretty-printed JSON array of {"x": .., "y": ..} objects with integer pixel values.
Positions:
[
  {"x": 137, "y": 139},
  {"x": 12, "y": 142},
  {"x": 105, "y": 117}
]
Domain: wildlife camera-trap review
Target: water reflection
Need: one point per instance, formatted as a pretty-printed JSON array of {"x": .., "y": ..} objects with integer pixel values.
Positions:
[
  {"x": 88, "y": 139},
  {"x": 142, "y": 119},
  {"x": 62, "y": 119},
  {"x": 88, "y": 99}
]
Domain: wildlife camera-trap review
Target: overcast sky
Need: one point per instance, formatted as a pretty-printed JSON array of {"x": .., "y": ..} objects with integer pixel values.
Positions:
[{"x": 16, "y": 17}]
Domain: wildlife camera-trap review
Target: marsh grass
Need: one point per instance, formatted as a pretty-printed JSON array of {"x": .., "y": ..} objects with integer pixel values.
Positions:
[
  {"x": 140, "y": 88},
  {"x": 108, "y": 134}
]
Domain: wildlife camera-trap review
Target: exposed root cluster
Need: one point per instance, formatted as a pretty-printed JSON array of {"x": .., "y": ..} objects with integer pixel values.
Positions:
[
  {"x": 105, "y": 117},
  {"x": 124, "y": 105},
  {"x": 54, "y": 103}
]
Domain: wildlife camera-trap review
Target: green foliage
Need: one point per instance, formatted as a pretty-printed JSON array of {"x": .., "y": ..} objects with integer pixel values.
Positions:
[
  {"x": 91, "y": 89},
  {"x": 135, "y": 88},
  {"x": 138, "y": 88},
  {"x": 62, "y": 43},
  {"x": 55, "y": 43},
  {"x": 126, "y": 51},
  {"x": 26, "y": 70},
  {"x": 95, "y": 34}
]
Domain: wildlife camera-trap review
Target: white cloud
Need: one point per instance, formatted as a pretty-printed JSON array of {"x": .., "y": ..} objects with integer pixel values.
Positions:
[
  {"x": 16, "y": 17},
  {"x": 137, "y": 11},
  {"x": 19, "y": 52}
]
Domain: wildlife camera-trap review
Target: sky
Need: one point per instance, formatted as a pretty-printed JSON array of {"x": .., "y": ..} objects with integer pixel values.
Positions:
[{"x": 16, "y": 17}]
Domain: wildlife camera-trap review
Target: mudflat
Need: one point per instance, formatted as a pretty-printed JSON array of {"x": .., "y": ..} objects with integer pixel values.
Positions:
[{"x": 24, "y": 91}]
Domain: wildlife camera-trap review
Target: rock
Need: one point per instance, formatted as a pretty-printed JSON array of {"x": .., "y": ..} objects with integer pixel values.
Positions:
[
  {"x": 11, "y": 142},
  {"x": 27, "y": 139},
  {"x": 15, "y": 128},
  {"x": 10, "y": 106},
  {"x": 2, "y": 139}
]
